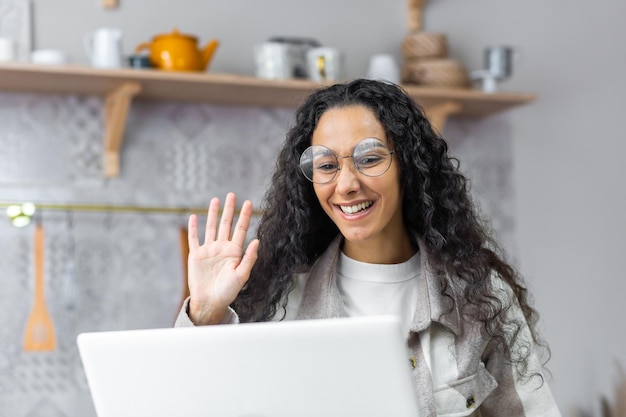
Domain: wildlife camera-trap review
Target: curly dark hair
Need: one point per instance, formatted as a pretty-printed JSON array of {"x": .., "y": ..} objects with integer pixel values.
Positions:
[{"x": 294, "y": 230}]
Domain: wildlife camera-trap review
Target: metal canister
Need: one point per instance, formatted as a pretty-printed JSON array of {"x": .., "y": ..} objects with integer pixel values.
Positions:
[
  {"x": 298, "y": 48},
  {"x": 499, "y": 61}
]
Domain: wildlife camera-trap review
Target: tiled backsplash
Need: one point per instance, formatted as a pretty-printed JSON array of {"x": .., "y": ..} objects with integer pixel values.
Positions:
[{"x": 108, "y": 271}]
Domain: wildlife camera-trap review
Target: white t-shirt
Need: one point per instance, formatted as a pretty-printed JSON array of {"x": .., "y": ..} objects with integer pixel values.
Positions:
[{"x": 375, "y": 289}]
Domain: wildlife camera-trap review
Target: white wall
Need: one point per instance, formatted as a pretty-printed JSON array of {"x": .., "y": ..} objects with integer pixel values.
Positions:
[
  {"x": 567, "y": 147},
  {"x": 569, "y": 172}
]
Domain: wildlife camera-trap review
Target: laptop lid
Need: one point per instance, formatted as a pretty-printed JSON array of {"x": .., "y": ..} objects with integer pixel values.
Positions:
[{"x": 309, "y": 368}]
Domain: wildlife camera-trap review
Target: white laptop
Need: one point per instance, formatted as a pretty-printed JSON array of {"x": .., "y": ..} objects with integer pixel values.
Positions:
[{"x": 335, "y": 367}]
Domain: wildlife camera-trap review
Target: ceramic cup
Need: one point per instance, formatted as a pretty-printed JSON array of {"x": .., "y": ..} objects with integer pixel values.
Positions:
[
  {"x": 7, "y": 50},
  {"x": 139, "y": 61},
  {"x": 383, "y": 67},
  {"x": 273, "y": 61},
  {"x": 104, "y": 48},
  {"x": 324, "y": 64}
]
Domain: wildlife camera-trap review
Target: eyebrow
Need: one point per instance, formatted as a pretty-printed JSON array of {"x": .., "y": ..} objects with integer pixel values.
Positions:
[
  {"x": 379, "y": 142},
  {"x": 322, "y": 150}
]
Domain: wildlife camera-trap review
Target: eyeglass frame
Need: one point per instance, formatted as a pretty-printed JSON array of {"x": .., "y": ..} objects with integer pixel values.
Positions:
[{"x": 338, "y": 157}]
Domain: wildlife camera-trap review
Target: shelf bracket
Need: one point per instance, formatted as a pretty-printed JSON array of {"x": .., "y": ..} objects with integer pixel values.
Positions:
[
  {"x": 438, "y": 114},
  {"x": 117, "y": 104}
]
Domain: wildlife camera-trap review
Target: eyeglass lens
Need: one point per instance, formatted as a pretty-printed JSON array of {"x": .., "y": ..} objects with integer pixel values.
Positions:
[{"x": 371, "y": 157}]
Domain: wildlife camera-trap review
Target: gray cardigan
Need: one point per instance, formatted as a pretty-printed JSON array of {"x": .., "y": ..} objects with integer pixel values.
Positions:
[{"x": 456, "y": 371}]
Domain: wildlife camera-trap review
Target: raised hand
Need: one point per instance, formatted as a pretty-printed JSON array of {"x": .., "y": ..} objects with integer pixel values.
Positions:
[{"x": 219, "y": 268}]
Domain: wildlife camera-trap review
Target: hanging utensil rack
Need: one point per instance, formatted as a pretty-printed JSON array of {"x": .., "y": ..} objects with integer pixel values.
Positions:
[{"x": 110, "y": 208}]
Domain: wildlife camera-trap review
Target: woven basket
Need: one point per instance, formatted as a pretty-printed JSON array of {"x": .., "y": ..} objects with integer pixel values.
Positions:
[
  {"x": 425, "y": 45},
  {"x": 435, "y": 72}
]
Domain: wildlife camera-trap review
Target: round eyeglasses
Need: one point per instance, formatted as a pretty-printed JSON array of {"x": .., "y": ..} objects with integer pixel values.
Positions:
[{"x": 371, "y": 157}]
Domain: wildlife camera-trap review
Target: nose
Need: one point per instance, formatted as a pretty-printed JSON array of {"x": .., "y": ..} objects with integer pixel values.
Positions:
[{"x": 347, "y": 178}]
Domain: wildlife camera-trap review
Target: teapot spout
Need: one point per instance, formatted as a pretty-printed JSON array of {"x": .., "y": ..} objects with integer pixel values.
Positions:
[{"x": 208, "y": 52}]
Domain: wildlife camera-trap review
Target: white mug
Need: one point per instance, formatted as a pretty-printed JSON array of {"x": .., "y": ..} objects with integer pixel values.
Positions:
[
  {"x": 7, "y": 50},
  {"x": 383, "y": 67},
  {"x": 324, "y": 64},
  {"x": 104, "y": 48},
  {"x": 273, "y": 61}
]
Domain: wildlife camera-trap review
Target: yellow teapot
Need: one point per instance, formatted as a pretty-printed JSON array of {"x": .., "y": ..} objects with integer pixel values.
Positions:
[{"x": 179, "y": 52}]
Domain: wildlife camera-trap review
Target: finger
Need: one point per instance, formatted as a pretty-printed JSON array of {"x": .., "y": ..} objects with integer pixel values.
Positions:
[
  {"x": 227, "y": 217},
  {"x": 243, "y": 223},
  {"x": 211, "y": 220},
  {"x": 244, "y": 268},
  {"x": 192, "y": 232}
]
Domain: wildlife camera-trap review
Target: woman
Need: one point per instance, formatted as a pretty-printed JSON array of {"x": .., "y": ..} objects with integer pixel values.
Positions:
[{"x": 367, "y": 214}]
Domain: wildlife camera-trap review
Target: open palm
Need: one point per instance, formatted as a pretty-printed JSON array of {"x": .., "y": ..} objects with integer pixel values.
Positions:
[{"x": 219, "y": 268}]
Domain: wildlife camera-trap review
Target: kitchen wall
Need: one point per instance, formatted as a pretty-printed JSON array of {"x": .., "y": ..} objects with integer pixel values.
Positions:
[
  {"x": 108, "y": 270},
  {"x": 549, "y": 174},
  {"x": 568, "y": 172}
]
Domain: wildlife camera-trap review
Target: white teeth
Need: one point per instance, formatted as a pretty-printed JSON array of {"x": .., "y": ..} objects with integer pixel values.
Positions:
[{"x": 356, "y": 208}]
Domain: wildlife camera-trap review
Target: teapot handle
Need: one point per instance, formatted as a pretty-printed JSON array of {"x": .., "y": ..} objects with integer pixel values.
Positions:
[{"x": 142, "y": 46}]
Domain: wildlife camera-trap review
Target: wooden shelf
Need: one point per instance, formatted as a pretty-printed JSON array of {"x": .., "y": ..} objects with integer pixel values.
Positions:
[{"x": 120, "y": 86}]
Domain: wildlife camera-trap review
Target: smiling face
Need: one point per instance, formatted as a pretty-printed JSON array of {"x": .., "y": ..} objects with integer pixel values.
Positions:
[{"x": 367, "y": 210}]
